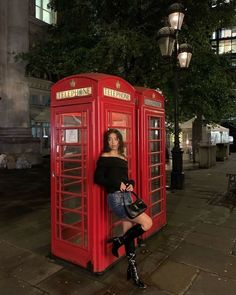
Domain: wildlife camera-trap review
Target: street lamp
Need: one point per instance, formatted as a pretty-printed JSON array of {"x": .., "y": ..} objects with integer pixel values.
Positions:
[{"x": 169, "y": 46}]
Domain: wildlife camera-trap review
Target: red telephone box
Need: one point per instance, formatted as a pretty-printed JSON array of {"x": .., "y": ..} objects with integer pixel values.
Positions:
[
  {"x": 151, "y": 154},
  {"x": 82, "y": 108}
]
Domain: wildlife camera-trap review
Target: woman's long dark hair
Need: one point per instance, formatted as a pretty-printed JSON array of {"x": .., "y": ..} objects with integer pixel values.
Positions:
[{"x": 119, "y": 137}]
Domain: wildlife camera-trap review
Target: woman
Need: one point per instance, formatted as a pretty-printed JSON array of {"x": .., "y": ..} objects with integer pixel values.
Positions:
[{"x": 112, "y": 173}]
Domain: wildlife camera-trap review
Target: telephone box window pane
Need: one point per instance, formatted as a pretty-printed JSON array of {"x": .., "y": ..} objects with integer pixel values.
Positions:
[
  {"x": 155, "y": 159},
  {"x": 156, "y": 209},
  {"x": 154, "y": 146},
  {"x": 155, "y": 171},
  {"x": 155, "y": 184},
  {"x": 71, "y": 185},
  {"x": 70, "y": 151},
  {"x": 119, "y": 119},
  {"x": 72, "y": 203},
  {"x": 154, "y": 122},
  {"x": 72, "y": 168},
  {"x": 72, "y": 136},
  {"x": 154, "y": 134},
  {"x": 156, "y": 196},
  {"x": 72, "y": 235},
  {"x": 72, "y": 120},
  {"x": 117, "y": 231},
  {"x": 71, "y": 218},
  {"x": 124, "y": 134}
]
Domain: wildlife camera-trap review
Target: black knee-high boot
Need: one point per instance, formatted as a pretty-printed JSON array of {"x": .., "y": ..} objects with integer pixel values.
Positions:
[
  {"x": 132, "y": 272},
  {"x": 130, "y": 235}
]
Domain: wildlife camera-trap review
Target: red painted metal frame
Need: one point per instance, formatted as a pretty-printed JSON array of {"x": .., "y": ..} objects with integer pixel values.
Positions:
[{"x": 150, "y": 106}]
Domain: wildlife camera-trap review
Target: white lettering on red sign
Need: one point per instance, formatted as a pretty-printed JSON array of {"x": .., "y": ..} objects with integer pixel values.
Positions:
[
  {"x": 74, "y": 93},
  {"x": 116, "y": 94}
]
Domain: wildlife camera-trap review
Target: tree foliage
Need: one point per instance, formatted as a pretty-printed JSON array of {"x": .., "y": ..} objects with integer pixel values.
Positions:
[{"x": 119, "y": 37}]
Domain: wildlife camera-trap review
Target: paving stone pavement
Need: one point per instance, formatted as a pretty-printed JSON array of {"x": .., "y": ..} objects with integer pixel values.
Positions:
[{"x": 194, "y": 254}]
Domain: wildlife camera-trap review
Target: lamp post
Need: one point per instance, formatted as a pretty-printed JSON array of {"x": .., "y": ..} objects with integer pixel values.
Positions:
[{"x": 169, "y": 46}]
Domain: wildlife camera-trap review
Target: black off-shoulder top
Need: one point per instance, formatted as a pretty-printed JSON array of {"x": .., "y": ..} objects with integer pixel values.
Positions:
[{"x": 110, "y": 172}]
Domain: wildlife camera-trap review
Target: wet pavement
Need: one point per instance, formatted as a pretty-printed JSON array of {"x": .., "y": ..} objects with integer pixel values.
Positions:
[{"x": 194, "y": 254}]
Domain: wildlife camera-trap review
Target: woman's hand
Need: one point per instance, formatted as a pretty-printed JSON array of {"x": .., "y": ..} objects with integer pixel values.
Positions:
[
  {"x": 123, "y": 187},
  {"x": 129, "y": 187}
]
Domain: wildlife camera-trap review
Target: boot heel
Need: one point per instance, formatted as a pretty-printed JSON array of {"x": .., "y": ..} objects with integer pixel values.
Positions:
[{"x": 117, "y": 243}]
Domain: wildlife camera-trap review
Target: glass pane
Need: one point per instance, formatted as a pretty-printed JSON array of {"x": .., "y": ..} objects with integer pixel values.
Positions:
[
  {"x": 156, "y": 209},
  {"x": 37, "y": 12},
  {"x": 119, "y": 119},
  {"x": 124, "y": 134},
  {"x": 71, "y": 218},
  {"x": 154, "y": 134},
  {"x": 71, "y": 185},
  {"x": 73, "y": 235},
  {"x": 155, "y": 159},
  {"x": 155, "y": 171},
  {"x": 117, "y": 230},
  {"x": 73, "y": 203},
  {"x": 72, "y": 168},
  {"x": 72, "y": 136},
  {"x": 234, "y": 32},
  {"x": 225, "y": 33},
  {"x": 233, "y": 46},
  {"x": 155, "y": 196},
  {"x": 154, "y": 122},
  {"x": 72, "y": 152},
  {"x": 154, "y": 146},
  {"x": 155, "y": 184},
  {"x": 45, "y": 4},
  {"x": 46, "y": 100},
  {"x": 38, "y": 2},
  {"x": 46, "y": 17},
  {"x": 228, "y": 47},
  {"x": 72, "y": 120}
]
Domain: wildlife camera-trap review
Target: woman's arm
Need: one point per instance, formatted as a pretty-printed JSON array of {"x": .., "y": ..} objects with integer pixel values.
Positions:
[{"x": 100, "y": 174}]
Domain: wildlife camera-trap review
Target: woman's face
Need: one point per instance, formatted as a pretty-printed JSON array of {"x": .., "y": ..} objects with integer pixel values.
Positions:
[{"x": 113, "y": 142}]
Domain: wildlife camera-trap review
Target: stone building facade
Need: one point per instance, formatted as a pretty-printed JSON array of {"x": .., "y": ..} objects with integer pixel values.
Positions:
[{"x": 22, "y": 99}]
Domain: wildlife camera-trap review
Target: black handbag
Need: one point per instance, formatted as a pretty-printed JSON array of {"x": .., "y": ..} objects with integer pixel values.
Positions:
[{"x": 136, "y": 208}]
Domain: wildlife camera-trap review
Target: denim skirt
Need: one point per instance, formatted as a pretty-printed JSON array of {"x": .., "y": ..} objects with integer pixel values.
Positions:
[{"x": 116, "y": 203}]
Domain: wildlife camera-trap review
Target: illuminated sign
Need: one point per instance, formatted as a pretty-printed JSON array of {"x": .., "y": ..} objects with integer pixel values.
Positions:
[
  {"x": 116, "y": 94},
  {"x": 74, "y": 93}
]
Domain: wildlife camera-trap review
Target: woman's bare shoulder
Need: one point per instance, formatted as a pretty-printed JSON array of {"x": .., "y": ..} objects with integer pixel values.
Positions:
[
  {"x": 108, "y": 155},
  {"x": 105, "y": 155}
]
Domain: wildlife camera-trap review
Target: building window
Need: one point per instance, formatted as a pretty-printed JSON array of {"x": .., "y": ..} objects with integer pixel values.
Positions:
[
  {"x": 44, "y": 13},
  {"x": 214, "y": 2},
  {"x": 224, "y": 41},
  {"x": 34, "y": 99},
  {"x": 46, "y": 100},
  {"x": 225, "y": 46}
]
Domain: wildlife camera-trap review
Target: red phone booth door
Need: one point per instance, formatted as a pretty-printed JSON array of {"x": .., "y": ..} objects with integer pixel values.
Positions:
[
  {"x": 155, "y": 169},
  {"x": 70, "y": 156},
  {"x": 122, "y": 120}
]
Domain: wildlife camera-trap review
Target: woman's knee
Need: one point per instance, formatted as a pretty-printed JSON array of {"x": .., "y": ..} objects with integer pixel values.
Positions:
[{"x": 147, "y": 224}]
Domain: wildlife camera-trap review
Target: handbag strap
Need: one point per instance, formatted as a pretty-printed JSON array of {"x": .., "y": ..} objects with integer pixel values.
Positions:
[{"x": 136, "y": 196}]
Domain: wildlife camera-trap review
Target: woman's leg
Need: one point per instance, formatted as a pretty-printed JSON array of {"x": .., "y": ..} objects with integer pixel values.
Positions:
[
  {"x": 144, "y": 220},
  {"x": 130, "y": 231},
  {"x": 127, "y": 224},
  {"x": 143, "y": 223}
]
